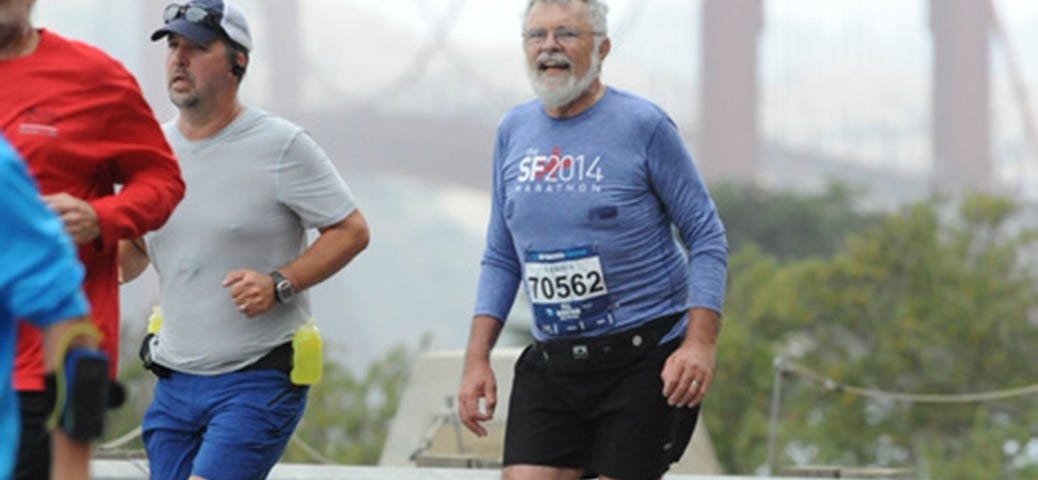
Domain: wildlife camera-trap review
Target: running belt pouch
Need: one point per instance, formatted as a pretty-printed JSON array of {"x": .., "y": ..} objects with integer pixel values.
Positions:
[
  {"x": 145, "y": 351},
  {"x": 584, "y": 355},
  {"x": 86, "y": 394},
  {"x": 590, "y": 355},
  {"x": 147, "y": 361}
]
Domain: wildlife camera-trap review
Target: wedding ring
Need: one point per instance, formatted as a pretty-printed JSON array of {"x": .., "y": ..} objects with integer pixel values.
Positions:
[{"x": 695, "y": 384}]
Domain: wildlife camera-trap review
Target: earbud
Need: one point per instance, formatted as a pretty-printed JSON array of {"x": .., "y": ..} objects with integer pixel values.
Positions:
[{"x": 237, "y": 70}]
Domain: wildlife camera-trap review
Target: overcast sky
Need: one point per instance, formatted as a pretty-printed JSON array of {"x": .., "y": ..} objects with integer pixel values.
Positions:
[{"x": 828, "y": 67}]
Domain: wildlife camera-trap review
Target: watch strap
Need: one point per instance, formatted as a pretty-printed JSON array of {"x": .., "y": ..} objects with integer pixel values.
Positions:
[{"x": 278, "y": 279}]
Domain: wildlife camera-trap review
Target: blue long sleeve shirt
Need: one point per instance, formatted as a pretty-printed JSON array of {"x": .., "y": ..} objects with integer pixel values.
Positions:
[
  {"x": 583, "y": 215},
  {"x": 39, "y": 279}
]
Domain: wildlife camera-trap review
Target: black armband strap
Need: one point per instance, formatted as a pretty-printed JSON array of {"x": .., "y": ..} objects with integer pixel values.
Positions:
[
  {"x": 116, "y": 393},
  {"x": 80, "y": 386},
  {"x": 79, "y": 391},
  {"x": 82, "y": 392}
]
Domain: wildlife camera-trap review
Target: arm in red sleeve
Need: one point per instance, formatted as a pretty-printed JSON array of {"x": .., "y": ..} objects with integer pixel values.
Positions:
[{"x": 142, "y": 161}]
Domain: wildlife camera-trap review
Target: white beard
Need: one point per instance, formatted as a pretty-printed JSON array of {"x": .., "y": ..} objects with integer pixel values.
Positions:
[{"x": 557, "y": 93}]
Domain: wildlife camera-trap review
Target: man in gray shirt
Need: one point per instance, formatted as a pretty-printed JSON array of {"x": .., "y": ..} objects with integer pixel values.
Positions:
[{"x": 233, "y": 260}]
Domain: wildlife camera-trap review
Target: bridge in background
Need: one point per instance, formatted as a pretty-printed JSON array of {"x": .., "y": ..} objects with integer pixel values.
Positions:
[{"x": 729, "y": 140}]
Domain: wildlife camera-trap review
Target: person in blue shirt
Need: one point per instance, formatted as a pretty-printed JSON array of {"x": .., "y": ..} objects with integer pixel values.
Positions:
[
  {"x": 590, "y": 184},
  {"x": 40, "y": 282}
]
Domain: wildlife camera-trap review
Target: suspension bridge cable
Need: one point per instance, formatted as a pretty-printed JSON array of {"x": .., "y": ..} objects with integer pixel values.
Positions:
[
  {"x": 441, "y": 33},
  {"x": 1016, "y": 79}
]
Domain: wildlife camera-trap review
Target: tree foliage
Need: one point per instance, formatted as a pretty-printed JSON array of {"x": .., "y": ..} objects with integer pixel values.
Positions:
[
  {"x": 788, "y": 225},
  {"x": 347, "y": 417},
  {"x": 138, "y": 383},
  {"x": 932, "y": 299}
]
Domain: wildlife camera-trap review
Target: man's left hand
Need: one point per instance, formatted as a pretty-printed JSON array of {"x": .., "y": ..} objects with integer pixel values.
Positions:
[
  {"x": 251, "y": 291},
  {"x": 687, "y": 373},
  {"x": 79, "y": 217}
]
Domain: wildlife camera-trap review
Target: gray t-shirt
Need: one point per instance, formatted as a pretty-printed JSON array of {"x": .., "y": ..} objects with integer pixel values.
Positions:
[{"x": 252, "y": 191}]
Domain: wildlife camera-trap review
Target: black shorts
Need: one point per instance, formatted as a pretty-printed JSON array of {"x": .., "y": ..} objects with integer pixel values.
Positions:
[
  {"x": 613, "y": 422},
  {"x": 34, "y": 443}
]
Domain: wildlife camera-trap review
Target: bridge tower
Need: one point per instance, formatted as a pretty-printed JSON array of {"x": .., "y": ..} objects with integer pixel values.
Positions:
[
  {"x": 961, "y": 99},
  {"x": 729, "y": 131}
]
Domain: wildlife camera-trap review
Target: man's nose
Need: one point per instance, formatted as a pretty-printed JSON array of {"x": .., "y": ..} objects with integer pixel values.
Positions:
[
  {"x": 551, "y": 42},
  {"x": 178, "y": 54}
]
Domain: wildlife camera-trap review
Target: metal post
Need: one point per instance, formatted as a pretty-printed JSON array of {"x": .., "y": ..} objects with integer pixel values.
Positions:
[{"x": 776, "y": 398}]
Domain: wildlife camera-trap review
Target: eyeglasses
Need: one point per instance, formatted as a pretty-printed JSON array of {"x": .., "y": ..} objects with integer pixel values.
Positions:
[
  {"x": 536, "y": 37},
  {"x": 190, "y": 13}
]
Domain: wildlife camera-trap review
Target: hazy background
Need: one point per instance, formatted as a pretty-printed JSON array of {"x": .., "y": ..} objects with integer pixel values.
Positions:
[{"x": 405, "y": 96}]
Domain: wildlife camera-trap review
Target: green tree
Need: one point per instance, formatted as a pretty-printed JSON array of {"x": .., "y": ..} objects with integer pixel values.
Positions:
[
  {"x": 138, "y": 384},
  {"x": 347, "y": 417},
  {"x": 929, "y": 300},
  {"x": 789, "y": 225}
]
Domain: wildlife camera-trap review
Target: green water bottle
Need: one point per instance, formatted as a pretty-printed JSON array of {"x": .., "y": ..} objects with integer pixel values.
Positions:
[
  {"x": 307, "y": 362},
  {"x": 155, "y": 320}
]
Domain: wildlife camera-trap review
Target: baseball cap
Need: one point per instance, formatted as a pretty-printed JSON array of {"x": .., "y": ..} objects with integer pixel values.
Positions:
[{"x": 203, "y": 21}]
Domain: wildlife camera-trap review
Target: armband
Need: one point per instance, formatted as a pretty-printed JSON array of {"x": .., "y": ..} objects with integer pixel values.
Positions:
[
  {"x": 82, "y": 392},
  {"x": 81, "y": 388}
]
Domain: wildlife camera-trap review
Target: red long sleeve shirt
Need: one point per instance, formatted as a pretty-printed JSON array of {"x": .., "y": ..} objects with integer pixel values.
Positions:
[{"x": 79, "y": 120}]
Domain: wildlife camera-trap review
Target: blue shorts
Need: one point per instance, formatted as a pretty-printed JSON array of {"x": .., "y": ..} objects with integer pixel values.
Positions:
[{"x": 230, "y": 426}]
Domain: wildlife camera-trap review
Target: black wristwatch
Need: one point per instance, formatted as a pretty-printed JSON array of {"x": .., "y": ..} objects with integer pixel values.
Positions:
[{"x": 284, "y": 291}]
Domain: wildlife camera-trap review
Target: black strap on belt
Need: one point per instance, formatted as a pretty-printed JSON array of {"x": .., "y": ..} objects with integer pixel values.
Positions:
[
  {"x": 576, "y": 355},
  {"x": 279, "y": 358}
]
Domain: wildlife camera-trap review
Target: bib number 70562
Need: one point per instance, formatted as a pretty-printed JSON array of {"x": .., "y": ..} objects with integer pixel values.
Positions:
[
  {"x": 565, "y": 287},
  {"x": 567, "y": 290}
]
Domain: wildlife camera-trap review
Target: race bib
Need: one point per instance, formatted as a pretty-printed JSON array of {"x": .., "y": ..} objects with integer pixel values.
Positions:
[{"x": 568, "y": 291}]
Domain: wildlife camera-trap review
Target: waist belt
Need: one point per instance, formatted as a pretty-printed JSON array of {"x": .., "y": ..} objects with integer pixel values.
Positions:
[
  {"x": 279, "y": 358},
  {"x": 577, "y": 355}
]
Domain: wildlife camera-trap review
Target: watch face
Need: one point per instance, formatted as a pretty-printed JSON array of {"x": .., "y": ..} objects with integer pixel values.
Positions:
[{"x": 285, "y": 290}]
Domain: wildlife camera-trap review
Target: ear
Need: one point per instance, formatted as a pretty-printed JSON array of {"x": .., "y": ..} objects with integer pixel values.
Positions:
[
  {"x": 603, "y": 49},
  {"x": 241, "y": 61}
]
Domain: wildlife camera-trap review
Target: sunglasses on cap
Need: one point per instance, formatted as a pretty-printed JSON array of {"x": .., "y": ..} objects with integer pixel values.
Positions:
[{"x": 191, "y": 13}]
